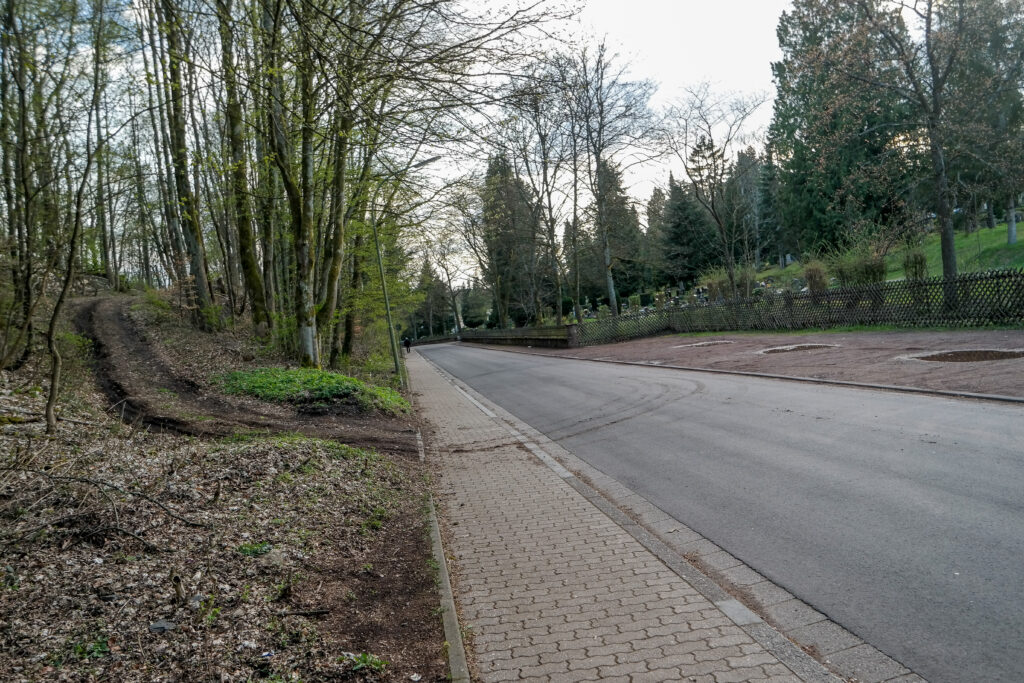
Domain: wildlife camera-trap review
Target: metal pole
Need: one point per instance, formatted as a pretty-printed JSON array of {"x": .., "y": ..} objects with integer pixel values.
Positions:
[
  {"x": 384, "y": 282},
  {"x": 387, "y": 301}
]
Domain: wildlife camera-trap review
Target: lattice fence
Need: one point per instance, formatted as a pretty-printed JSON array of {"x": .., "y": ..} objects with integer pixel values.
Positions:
[
  {"x": 971, "y": 300},
  {"x": 623, "y": 327}
]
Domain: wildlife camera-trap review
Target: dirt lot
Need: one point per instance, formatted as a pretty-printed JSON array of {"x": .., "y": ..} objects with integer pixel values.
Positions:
[{"x": 890, "y": 358}]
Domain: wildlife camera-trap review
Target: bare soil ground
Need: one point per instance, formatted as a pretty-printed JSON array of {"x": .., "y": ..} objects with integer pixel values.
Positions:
[
  {"x": 204, "y": 537},
  {"x": 874, "y": 357}
]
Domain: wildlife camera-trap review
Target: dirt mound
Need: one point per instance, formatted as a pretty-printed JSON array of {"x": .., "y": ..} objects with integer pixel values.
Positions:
[{"x": 797, "y": 347}]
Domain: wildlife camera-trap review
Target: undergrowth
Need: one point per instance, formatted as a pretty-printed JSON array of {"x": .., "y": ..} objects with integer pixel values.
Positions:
[{"x": 311, "y": 387}]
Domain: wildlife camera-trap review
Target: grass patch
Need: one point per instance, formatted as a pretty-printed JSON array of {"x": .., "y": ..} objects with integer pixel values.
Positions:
[
  {"x": 255, "y": 549},
  {"x": 313, "y": 388},
  {"x": 982, "y": 250}
]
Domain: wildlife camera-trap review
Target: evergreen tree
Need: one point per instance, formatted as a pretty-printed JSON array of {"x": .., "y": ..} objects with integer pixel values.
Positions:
[
  {"x": 831, "y": 135},
  {"x": 653, "y": 254},
  {"x": 625, "y": 238},
  {"x": 689, "y": 240},
  {"x": 512, "y": 238},
  {"x": 768, "y": 197}
]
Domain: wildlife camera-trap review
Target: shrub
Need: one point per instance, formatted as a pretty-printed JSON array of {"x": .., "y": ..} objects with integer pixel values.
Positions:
[
  {"x": 859, "y": 267},
  {"x": 915, "y": 264},
  {"x": 213, "y": 317},
  {"x": 816, "y": 276},
  {"x": 716, "y": 281}
]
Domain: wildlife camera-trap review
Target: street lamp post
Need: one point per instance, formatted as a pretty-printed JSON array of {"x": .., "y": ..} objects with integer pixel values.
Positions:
[{"x": 392, "y": 337}]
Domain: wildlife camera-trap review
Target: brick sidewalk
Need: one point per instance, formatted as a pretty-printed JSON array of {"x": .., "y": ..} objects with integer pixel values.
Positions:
[{"x": 550, "y": 587}]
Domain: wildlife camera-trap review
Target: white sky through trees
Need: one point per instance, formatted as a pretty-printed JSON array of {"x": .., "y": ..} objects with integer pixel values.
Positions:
[{"x": 678, "y": 43}]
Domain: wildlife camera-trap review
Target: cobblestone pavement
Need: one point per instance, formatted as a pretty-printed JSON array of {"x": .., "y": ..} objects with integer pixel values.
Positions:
[{"x": 549, "y": 586}]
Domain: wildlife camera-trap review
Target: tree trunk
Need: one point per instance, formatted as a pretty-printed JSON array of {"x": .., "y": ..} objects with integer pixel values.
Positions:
[
  {"x": 101, "y": 204},
  {"x": 944, "y": 212},
  {"x": 349, "y": 328},
  {"x": 155, "y": 88},
  {"x": 602, "y": 227},
  {"x": 200, "y": 289},
  {"x": 239, "y": 187},
  {"x": 1011, "y": 220},
  {"x": 305, "y": 307},
  {"x": 300, "y": 194},
  {"x": 336, "y": 249}
]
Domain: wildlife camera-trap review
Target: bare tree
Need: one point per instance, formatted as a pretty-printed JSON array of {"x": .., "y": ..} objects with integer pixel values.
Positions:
[
  {"x": 538, "y": 136},
  {"x": 614, "y": 119},
  {"x": 708, "y": 135},
  {"x": 446, "y": 249}
]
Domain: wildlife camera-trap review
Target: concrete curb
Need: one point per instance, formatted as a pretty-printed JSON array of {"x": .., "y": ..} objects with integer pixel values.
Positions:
[
  {"x": 646, "y": 524},
  {"x": 458, "y": 667},
  {"x": 997, "y": 398}
]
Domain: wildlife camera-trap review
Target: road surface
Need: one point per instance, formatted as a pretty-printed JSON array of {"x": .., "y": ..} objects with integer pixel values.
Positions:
[{"x": 899, "y": 516}]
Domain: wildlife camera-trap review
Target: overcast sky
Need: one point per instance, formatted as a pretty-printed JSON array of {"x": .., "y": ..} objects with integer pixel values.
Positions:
[{"x": 676, "y": 43}]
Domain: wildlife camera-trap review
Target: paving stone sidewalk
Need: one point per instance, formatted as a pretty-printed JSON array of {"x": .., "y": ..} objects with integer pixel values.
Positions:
[{"x": 550, "y": 587}]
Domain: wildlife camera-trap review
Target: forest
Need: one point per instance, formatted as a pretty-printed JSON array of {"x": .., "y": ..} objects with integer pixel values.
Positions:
[{"x": 332, "y": 172}]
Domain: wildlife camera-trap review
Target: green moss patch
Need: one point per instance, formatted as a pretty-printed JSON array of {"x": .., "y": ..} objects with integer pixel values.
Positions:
[{"x": 314, "y": 390}]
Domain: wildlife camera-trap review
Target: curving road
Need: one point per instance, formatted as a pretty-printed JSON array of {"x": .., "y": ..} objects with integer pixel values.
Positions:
[{"x": 899, "y": 516}]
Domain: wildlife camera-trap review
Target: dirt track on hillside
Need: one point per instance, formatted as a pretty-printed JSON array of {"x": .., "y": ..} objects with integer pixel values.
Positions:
[
  {"x": 144, "y": 384},
  {"x": 889, "y": 358}
]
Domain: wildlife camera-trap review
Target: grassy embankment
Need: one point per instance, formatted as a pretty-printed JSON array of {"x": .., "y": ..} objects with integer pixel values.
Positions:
[{"x": 984, "y": 249}]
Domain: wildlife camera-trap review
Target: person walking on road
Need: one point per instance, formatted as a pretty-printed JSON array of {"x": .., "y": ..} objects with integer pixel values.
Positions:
[{"x": 408, "y": 345}]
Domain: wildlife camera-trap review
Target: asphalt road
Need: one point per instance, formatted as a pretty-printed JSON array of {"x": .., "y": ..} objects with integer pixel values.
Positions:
[{"x": 899, "y": 516}]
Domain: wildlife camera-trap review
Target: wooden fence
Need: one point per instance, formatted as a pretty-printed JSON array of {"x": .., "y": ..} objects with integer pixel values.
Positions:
[
  {"x": 556, "y": 337},
  {"x": 970, "y": 300}
]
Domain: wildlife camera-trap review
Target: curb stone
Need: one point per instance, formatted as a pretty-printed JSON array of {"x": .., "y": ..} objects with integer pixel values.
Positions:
[{"x": 458, "y": 668}]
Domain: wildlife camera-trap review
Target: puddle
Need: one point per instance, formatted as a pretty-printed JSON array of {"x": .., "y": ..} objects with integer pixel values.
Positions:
[
  {"x": 972, "y": 355},
  {"x": 797, "y": 347},
  {"x": 703, "y": 343}
]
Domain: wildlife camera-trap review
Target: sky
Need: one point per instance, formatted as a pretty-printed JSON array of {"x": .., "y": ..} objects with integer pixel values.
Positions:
[{"x": 676, "y": 43}]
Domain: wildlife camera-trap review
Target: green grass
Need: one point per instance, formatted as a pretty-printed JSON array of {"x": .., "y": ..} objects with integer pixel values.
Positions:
[
  {"x": 984, "y": 249},
  {"x": 255, "y": 549},
  {"x": 308, "y": 386},
  {"x": 782, "y": 276}
]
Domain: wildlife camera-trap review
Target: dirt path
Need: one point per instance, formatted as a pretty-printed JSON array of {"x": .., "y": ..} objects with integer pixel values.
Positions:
[
  {"x": 358, "y": 586},
  {"x": 144, "y": 384},
  {"x": 889, "y": 358}
]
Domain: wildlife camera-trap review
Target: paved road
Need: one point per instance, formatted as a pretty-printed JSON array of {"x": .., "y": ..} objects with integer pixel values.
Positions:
[{"x": 901, "y": 517}]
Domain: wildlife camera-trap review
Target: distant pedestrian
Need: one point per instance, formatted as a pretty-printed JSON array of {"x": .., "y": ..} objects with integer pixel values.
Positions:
[{"x": 408, "y": 345}]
